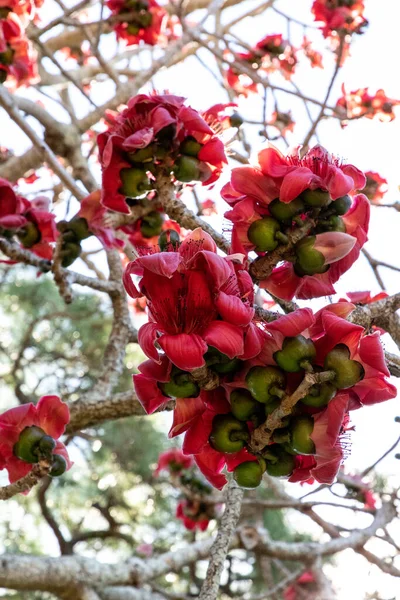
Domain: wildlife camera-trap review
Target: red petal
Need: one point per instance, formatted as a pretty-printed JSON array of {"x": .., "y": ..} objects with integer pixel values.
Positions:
[
  {"x": 147, "y": 335},
  {"x": 185, "y": 412},
  {"x": 52, "y": 415},
  {"x": 233, "y": 310},
  {"x": 148, "y": 393},
  {"x": 17, "y": 469},
  {"x": 283, "y": 282},
  {"x": 211, "y": 463},
  {"x": 213, "y": 152},
  {"x": 62, "y": 451},
  {"x": 184, "y": 350},
  {"x": 295, "y": 182},
  {"x": 159, "y": 371},
  {"x": 19, "y": 417},
  {"x": 251, "y": 182},
  {"x": 161, "y": 263},
  {"x": 227, "y": 338}
]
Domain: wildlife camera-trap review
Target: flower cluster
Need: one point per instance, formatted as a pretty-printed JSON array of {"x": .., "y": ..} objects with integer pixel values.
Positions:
[
  {"x": 360, "y": 103},
  {"x": 31, "y": 433},
  {"x": 29, "y": 221},
  {"x": 17, "y": 57},
  {"x": 340, "y": 16},
  {"x": 156, "y": 135},
  {"x": 233, "y": 380},
  {"x": 271, "y": 54},
  {"x": 138, "y": 20},
  {"x": 285, "y": 194},
  {"x": 193, "y": 509}
]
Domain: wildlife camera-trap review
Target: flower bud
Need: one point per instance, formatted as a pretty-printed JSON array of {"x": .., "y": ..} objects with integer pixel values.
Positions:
[
  {"x": 190, "y": 146},
  {"x": 228, "y": 434},
  {"x": 169, "y": 240},
  {"x": 342, "y": 205},
  {"x": 248, "y": 474},
  {"x": 134, "y": 182},
  {"x": 151, "y": 224},
  {"x": 7, "y": 57},
  {"x": 262, "y": 233},
  {"x": 266, "y": 384},
  {"x": 319, "y": 395},
  {"x": 316, "y": 198},
  {"x": 279, "y": 462},
  {"x": 285, "y": 211},
  {"x": 187, "y": 169},
  {"x": 235, "y": 120},
  {"x": 79, "y": 227},
  {"x": 3, "y": 75},
  {"x": 297, "y": 354},
  {"x": 301, "y": 429},
  {"x": 348, "y": 372},
  {"x": 180, "y": 385},
  {"x": 59, "y": 466},
  {"x": 33, "y": 443},
  {"x": 29, "y": 235},
  {"x": 243, "y": 405},
  {"x": 220, "y": 363},
  {"x": 142, "y": 155},
  {"x": 70, "y": 251}
]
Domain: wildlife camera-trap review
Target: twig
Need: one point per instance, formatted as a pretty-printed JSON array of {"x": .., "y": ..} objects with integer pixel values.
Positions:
[{"x": 26, "y": 483}]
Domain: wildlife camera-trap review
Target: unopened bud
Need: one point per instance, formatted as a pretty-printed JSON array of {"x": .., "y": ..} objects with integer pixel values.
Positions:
[{"x": 334, "y": 245}]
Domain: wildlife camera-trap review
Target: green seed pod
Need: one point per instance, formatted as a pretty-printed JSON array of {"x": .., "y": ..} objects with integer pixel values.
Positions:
[
  {"x": 29, "y": 235},
  {"x": 59, "y": 466},
  {"x": 28, "y": 446},
  {"x": 320, "y": 395},
  {"x": 342, "y": 205},
  {"x": 308, "y": 260},
  {"x": 280, "y": 463},
  {"x": 70, "y": 251},
  {"x": 243, "y": 405},
  {"x": 301, "y": 428},
  {"x": 316, "y": 198},
  {"x": 228, "y": 434},
  {"x": 261, "y": 380},
  {"x": 169, "y": 240},
  {"x": 190, "y": 146},
  {"x": 151, "y": 224},
  {"x": 134, "y": 182},
  {"x": 7, "y": 57},
  {"x": 142, "y": 155},
  {"x": 235, "y": 120},
  {"x": 285, "y": 212},
  {"x": 79, "y": 226},
  {"x": 248, "y": 474},
  {"x": 181, "y": 385},
  {"x": 187, "y": 169},
  {"x": 262, "y": 233},
  {"x": 348, "y": 372},
  {"x": 297, "y": 353}
]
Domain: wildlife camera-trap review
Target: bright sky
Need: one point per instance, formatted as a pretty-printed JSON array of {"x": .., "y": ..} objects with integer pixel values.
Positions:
[{"x": 370, "y": 145}]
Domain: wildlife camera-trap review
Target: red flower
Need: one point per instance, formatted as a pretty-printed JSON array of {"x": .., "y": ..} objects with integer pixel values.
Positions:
[
  {"x": 94, "y": 212},
  {"x": 365, "y": 297},
  {"x": 192, "y": 514},
  {"x": 11, "y": 207},
  {"x": 283, "y": 122},
  {"x": 314, "y": 57},
  {"x": 284, "y": 283},
  {"x": 18, "y": 57},
  {"x": 360, "y": 103},
  {"x": 50, "y": 414},
  {"x": 376, "y": 187},
  {"x": 188, "y": 293},
  {"x": 240, "y": 83},
  {"x": 146, "y": 21},
  {"x": 338, "y": 16},
  {"x": 174, "y": 461},
  {"x": 166, "y": 128}
]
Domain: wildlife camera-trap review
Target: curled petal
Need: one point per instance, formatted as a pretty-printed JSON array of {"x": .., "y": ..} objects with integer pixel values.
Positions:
[
  {"x": 334, "y": 245},
  {"x": 52, "y": 415},
  {"x": 186, "y": 411},
  {"x": 227, "y": 338},
  {"x": 147, "y": 336},
  {"x": 184, "y": 350},
  {"x": 148, "y": 393}
]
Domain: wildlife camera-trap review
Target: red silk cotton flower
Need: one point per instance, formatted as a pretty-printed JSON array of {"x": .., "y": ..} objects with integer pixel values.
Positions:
[
  {"x": 360, "y": 103},
  {"x": 145, "y": 21},
  {"x": 376, "y": 187},
  {"x": 30, "y": 221},
  {"x": 156, "y": 134},
  {"x": 50, "y": 415},
  {"x": 196, "y": 299},
  {"x": 281, "y": 194},
  {"x": 340, "y": 16},
  {"x": 193, "y": 514},
  {"x": 174, "y": 461}
]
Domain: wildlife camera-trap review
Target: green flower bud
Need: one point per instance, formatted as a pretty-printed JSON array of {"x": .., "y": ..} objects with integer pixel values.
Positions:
[
  {"x": 29, "y": 235},
  {"x": 228, "y": 434},
  {"x": 301, "y": 429},
  {"x": 142, "y": 155},
  {"x": 248, "y": 474},
  {"x": 235, "y": 120},
  {"x": 308, "y": 260},
  {"x": 145, "y": 19},
  {"x": 169, "y": 240},
  {"x": 243, "y": 405},
  {"x": 297, "y": 353},
  {"x": 133, "y": 28},
  {"x": 266, "y": 384},
  {"x": 342, "y": 205},
  {"x": 285, "y": 212},
  {"x": 3, "y": 75},
  {"x": 187, "y": 169},
  {"x": 319, "y": 395},
  {"x": 151, "y": 224},
  {"x": 59, "y": 466},
  {"x": 7, "y": 57},
  {"x": 134, "y": 182},
  {"x": 348, "y": 372},
  {"x": 220, "y": 363},
  {"x": 263, "y": 232},
  {"x": 316, "y": 198},
  {"x": 70, "y": 251},
  {"x": 181, "y": 385},
  {"x": 33, "y": 443},
  {"x": 79, "y": 226},
  {"x": 279, "y": 462},
  {"x": 190, "y": 146}
]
